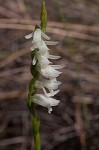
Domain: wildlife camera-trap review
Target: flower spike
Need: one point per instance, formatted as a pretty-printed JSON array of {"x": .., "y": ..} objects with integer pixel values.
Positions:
[{"x": 45, "y": 69}]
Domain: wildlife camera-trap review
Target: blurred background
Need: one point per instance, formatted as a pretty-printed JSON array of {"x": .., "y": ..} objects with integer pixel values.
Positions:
[{"x": 74, "y": 123}]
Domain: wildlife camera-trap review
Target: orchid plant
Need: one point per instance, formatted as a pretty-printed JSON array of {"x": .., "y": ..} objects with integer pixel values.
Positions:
[{"x": 44, "y": 75}]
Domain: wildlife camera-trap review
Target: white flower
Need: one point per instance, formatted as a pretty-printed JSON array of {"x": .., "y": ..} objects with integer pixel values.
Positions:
[
  {"x": 37, "y": 35},
  {"x": 38, "y": 42},
  {"x": 43, "y": 61},
  {"x": 49, "y": 72},
  {"x": 51, "y": 84},
  {"x": 46, "y": 69},
  {"x": 45, "y": 101},
  {"x": 50, "y": 94},
  {"x": 39, "y": 45}
]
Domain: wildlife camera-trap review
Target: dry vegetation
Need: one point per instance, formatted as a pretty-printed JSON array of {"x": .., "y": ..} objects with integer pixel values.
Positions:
[{"x": 74, "y": 124}]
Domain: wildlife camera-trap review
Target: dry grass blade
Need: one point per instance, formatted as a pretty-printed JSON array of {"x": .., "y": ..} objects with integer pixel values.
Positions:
[
  {"x": 8, "y": 13},
  {"x": 80, "y": 126},
  {"x": 16, "y": 26},
  {"x": 20, "y": 21},
  {"x": 14, "y": 140},
  {"x": 23, "y": 8},
  {"x": 9, "y": 95},
  {"x": 69, "y": 26},
  {"x": 13, "y": 57},
  {"x": 57, "y": 31},
  {"x": 73, "y": 34},
  {"x": 85, "y": 100},
  {"x": 12, "y": 71}
]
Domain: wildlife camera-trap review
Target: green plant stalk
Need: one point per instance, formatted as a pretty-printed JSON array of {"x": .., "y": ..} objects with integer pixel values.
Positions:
[
  {"x": 43, "y": 17},
  {"x": 32, "y": 88}
]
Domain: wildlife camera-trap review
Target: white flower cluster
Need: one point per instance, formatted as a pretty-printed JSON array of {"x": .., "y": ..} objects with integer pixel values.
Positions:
[{"x": 46, "y": 69}]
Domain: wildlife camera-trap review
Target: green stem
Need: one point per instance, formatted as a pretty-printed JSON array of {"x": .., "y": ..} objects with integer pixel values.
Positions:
[
  {"x": 34, "y": 116},
  {"x": 43, "y": 17},
  {"x": 35, "y": 128},
  {"x": 37, "y": 141}
]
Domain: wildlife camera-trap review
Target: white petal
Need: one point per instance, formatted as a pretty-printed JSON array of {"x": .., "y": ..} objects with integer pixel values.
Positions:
[
  {"x": 45, "y": 93},
  {"x": 58, "y": 66},
  {"x": 49, "y": 72},
  {"x": 50, "y": 84},
  {"x": 38, "y": 42},
  {"x": 45, "y": 36},
  {"x": 32, "y": 48},
  {"x": 37, "y": 35},
  {"x": 29, "y": 36},
  {"x": 53, "y": 102},
  {"x": 44, "y": 53},
  {"x": 51, "y": 43},
  {"x": 43, "y": 61},
  {"x": 45, "y": 101},
  {"x": 49, "y": 110},
  {"x": 53, "y": 57},
  {"x": 51, "y": 94},
  {"x": 43, "y": 47}
]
